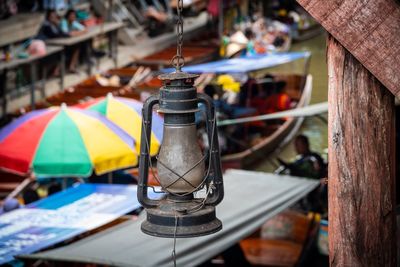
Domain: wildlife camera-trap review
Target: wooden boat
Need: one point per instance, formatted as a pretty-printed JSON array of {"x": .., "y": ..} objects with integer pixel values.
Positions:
[
  {"x": 285, "y": 240},
  {"x": 193, "y": 54},
  {"x": 299, "y": 88}
]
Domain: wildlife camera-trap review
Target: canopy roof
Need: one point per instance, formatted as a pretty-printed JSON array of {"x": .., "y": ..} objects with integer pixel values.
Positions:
[
  {"x": 251, "y": 198},
  {"x": 245, "y": 64}
]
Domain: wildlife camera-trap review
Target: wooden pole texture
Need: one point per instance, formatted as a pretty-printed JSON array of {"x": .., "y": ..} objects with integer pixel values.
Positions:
[{"x": 362, "y": 230}]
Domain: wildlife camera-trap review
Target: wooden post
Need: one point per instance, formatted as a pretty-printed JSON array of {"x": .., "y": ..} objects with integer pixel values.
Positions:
[{"x": 362, "y": 230}]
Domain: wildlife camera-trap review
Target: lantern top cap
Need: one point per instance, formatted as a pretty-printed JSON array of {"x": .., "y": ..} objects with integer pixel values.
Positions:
[{"x": 177, "y": 76}]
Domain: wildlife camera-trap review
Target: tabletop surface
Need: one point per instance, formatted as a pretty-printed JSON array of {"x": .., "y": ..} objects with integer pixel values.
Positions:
[
  {"x": 50, "y": 50},
  {"x": 20, "y": 27},
  {"x": 90, "y": 34}
]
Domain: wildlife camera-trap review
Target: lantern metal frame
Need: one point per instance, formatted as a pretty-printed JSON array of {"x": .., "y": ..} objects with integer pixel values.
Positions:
[{"x": 181, "y": 215}]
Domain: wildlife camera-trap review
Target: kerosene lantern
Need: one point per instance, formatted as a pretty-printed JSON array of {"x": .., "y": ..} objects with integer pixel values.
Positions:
[{"x": 184, "y": 171}]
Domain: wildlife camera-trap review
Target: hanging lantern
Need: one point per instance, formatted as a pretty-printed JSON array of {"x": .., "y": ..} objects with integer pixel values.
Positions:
[
  {"x": 181, "y": 165},
  {"x": 182, "y": 171}
]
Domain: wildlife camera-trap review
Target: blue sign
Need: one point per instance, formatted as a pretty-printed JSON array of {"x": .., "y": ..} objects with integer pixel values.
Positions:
[{"x": 62, "y": 216}]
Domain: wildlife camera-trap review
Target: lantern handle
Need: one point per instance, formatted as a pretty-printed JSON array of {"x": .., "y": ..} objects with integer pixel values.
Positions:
[
  {"x": 218, "y": 194},
  {"x": 147, "y": 112}
]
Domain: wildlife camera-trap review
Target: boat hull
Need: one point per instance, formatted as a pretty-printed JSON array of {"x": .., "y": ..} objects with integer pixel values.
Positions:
[{"x": 276, "y": 140}]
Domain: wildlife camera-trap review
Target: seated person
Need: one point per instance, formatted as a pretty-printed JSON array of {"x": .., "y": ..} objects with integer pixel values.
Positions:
[
  {"x": 51, "y": 27},
  {"x": 158, "y": 20},
  {"x": 279, "y": 100},
  {"x": 230, "y": 88},
  {"x": 70, "y": 25},
  {"x": 229, "y": 99},
  {"x": 308, "y": 163},
  {"x": 270, "y": 97}
]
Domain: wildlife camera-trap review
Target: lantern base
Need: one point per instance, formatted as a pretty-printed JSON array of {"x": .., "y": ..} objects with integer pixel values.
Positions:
[{"x": 161, "y": 221}]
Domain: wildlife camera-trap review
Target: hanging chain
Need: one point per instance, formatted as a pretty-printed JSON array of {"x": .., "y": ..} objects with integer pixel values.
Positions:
[{"x": 178, "y": 61}]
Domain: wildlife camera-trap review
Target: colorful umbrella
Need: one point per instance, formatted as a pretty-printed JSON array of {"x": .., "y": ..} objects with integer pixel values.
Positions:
[
  {"x": 65, "y": 142},
  {"x": 127, "y": 114}
]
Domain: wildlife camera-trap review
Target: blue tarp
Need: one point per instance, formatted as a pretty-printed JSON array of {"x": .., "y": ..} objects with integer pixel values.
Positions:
[
  {"x": 62, "y": 216},
  {"x": 245, "y": 64}
]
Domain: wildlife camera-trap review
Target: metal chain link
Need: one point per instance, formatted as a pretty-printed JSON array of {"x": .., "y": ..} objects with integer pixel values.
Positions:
[{"x": 178, "y": 61}]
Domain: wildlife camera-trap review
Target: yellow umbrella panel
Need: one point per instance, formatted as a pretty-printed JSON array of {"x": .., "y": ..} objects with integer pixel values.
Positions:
[{"x": 127, "y": 114}]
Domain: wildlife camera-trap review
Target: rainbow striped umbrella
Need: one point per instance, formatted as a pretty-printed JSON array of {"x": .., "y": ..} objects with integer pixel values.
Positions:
[
  {"x": 127, "y": 114},
  {"x": 65, "y": 142}
]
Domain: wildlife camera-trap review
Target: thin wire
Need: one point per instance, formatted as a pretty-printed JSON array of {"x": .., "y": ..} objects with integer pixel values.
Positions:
[
  {"x": 174, "y": 248},
  {"x": 201, "y": 205},
  {"x": 155, "y": 191}
]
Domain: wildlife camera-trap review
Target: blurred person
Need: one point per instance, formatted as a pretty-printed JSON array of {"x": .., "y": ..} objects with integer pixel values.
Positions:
[
  {"x": 278, "y": 100},
  {"x": 158, "y": 22},
  {"x": 70, "y": 26},
  {"x": 311, "y": 165},
  {"x": 311, "y": 160},
  {"x": 308, "y": 163},
  {"x": 230, "y": 87},
  {"x": 8, "y": 9},
  {"x": 51, "y": 27},
  {"x": 30, "y": 196},
  {"x": 157, "y": 17}
]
